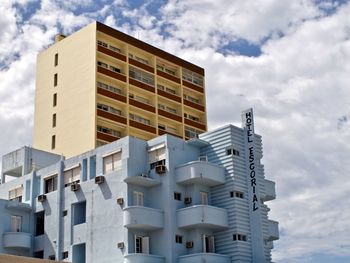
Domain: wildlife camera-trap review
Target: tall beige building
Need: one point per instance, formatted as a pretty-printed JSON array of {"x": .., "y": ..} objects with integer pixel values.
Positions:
[{"x": 99, "y": 84}]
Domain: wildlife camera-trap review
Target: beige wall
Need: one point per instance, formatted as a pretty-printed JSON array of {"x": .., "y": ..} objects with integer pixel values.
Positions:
[
  {"x": 15, "y": 259},
  {"x": 76, "y": 94}
]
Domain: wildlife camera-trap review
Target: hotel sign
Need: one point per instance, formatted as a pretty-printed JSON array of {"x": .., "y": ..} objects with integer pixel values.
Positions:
[{"x": 253, "y": 186}]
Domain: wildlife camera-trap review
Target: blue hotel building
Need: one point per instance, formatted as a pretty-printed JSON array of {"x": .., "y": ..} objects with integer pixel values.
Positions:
[{"x": 164, "y": 200}]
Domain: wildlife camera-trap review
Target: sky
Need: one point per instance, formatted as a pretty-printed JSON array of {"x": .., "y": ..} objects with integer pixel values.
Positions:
[{"x": 288, "y": 60}]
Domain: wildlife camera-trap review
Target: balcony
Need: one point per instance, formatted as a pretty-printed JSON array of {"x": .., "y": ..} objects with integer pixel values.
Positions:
[
  {"x": 143, "y": 180},
  {"x": 111, "y": 73},
  {"x": 204, "y": 257},
  {"x": 168, "y": 76},
  {"x": 111, "y": 53},
  {"x": 141, "y": 65},
  {"x": 170, "y": 115},
  {"x": 111, "y": 116},
  {"x": 106, "y": 137},
  {"x": 142, "y": 105},
  {"x": 17, "y": 240},
  {"x": 192, "y": 86},
  {"x": 110, "y": 94},
  {"x": 18, "y": 206},
  {"x": 270, "y": 193},
  {"x": 141, "y": 84},
  {"x": 205, "y": 216},
  {"x": 142, "y": 126},
  {"x": 169, "y": 95},
  {"x": 143, "y": 258},
  {"x": 193, "y": 105},
  {"x": 200, "y": 173},
  {"x": 196, "y": 124},
  {"x": 273, "y": 233},
  {"x": 144, "y": 218}
]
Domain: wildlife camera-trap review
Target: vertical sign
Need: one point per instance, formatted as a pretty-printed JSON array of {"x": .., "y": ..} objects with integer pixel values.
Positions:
[{"x": 253, "y": 187}]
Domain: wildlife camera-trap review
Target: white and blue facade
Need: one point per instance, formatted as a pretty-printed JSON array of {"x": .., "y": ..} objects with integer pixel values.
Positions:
[{"x": 157, "y": 201}]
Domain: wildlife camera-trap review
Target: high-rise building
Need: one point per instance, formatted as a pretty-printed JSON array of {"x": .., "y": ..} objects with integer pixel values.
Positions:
[
  {"x": 98, "y": 85},
  {"x": 165, "y": 200}
]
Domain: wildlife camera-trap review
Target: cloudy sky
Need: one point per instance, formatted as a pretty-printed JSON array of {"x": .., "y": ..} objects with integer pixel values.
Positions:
[{"x": 289, "y": 60}]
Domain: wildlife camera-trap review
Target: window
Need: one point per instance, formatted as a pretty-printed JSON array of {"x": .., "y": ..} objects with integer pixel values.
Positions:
[
  {"x": 79, "y": 213},
  {"x": 156, "y": 155},
  {"x": 140, "y": 119},
  {"x": 109, "y": 131},
  {"x": 166, "y": 69},
  {"x": 52, "y": 257},
  {"x": 177, "y": 196},
  {"x": 64, "y": 212},
  {"x": 139, "y": 98},
  {"x": 166, "y": 89},
  {"x": 236, "y": 194},
  {"x": 109, "y": 88},
  {"x": 55, "y": 80},
  {"x": 112, "y": 162},
  {"x": 16, "y": 194},
  {"x": 39, "y": 223},
  {"x": 115, "y": 69},
  {"x": 16, "y": 223},
  {"x": 72, "y": 176},
  {"x": 65, "y": 255},
  {"x": 232, "y": 151},
  {"x": 103, "y": 44},
  {"x": 54, "y": 101},
  {"x": 107, "y": 108},
  {"x": 101, "y": 64},
  {"x": 50, "y": 184},
  {"x": 138, "y": 198},
  {"x": 56, "y": 59},
  {"x": 178, "y": 239},
  {"x": 208, "y": 244},
  {"x": 53, "y": 142},
  {"x": 204, "y": 198},
  {"x": 141, "y": 76},
  {"x": 166, "y": 108},
  {"x": 141, "y": 244},
  {"x": 192, "y": 99},
  {"x": 139, "y": 59},
  {"x": 192, "y": 77},
  {"x": 192, "y": 133},
  {"x": 239, "y": 237},
  {"x": 54, "y": 120}
]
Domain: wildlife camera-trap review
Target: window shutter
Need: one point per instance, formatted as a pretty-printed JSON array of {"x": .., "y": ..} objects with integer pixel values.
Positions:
[
  {"x": 108, "y": 164},
  {"x": 145, "y": 245}
]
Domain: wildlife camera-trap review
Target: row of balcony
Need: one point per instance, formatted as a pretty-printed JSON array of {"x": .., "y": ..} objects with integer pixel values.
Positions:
[
  {"x": 191, "y": 258},
  {"x": 162, "y": 73}
]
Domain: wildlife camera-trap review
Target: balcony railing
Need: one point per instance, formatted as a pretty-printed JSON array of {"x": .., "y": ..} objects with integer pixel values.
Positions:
[
  {"x": 143, "y": 258},
  {"x": 269, "y": 193},
  {"x": 202, "y": 216},
  {"x": 273, "y": 233},
  {"x": 145, "y": 218},
  {"x": 204, "y": 257},
  {"x": 17, "y": 240}
]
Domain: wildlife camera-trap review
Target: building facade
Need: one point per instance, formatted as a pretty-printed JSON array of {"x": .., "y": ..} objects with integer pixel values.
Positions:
[
  {"x": 162, "y": 200},
  {"x": 98, "y": 85}
]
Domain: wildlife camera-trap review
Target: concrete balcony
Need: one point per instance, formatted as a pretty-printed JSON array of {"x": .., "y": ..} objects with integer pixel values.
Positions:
[
  {"x": 202, "y": 216},
  {"x": 142, "y": 179},
  {"x": 273, "y": 233},
  {"x": 143, "y": 258},
  {"x": 204, "y": 257},
  {"x": 270, "y": 192},
  {"x": 143, "y": 218},
  {"x": 200, "y": 172},
  {"x": 17, "y": 240},
  {"x": 18, "y": 206}
]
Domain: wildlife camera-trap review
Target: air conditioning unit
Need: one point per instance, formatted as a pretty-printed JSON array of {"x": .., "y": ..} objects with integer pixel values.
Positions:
[
  {"x": 203, "y": 158},
  {"x": 188, "y": 200},
  {"x": 121, "y": 245},
  {"x": 74, "y": 187},
  {"x": 189, "y": 244},
  {"x": 160, "y": 169},
  {"x": 120, "y": 201},
  {"x": 99, "y": 179},
  {"x": 144, "y": 175},
  {"x": 41, "y": 198}
]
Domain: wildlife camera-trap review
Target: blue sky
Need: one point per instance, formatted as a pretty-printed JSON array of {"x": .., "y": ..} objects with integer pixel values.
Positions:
[{"x": 289, "y": 60}]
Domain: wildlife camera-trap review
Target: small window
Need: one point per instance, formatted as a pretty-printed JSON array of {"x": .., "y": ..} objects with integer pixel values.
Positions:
[
  {"x": 54, "y": 101},
  {"x": 52, "y": 257},
  {"x": 236, "y": 194},
  {"x": 79, "y": 213},
  {"x": 39, "y": 223},
  {"x": 54, "y": 120},
  {"x": 16, "y": 194},
  {"x": 178, "y": 239},
  {"x": 50, "y": 184},
  {"x": 56, "y": 59},
  {"x": 239, "y": 237},
  {"x": 65, "y": 213},
  {"x": 232, "y": 151},
  {"x": 112, "y": 162},
  {"x": 72, "y": 176},
  {"x": 55, "y": 80},
  {"x": 177, "y": 196},
  {"x": 138, "y": 198},
  {"x": 65, "y": 254},
  {"x": 53, "y": 142},
  {"x": 204, "y": 198}
]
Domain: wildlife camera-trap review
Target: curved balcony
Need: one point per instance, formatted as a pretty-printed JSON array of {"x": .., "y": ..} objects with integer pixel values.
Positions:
[
  {"x": 202, "y": 216},
  {"x": 143, "y": 258},
  {"x": 17, "y": 240},
  {"x": 273, "y": 233},
  {"x": 200, "y": 172},
  {"x": 14, "y": 205},
  {"x": 142, "y": 179},
  {"x": 204, "y": 257},
  {"x": 270, "y": 192},
  {"x": 144, "y": 218}
]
